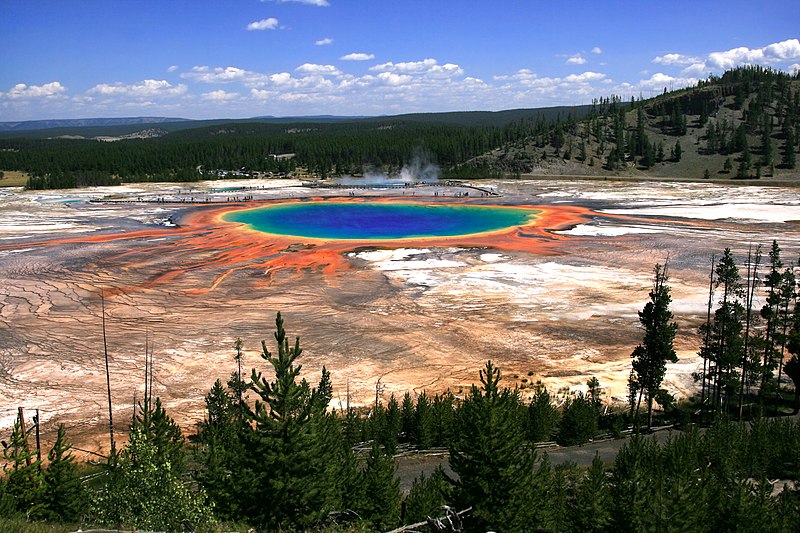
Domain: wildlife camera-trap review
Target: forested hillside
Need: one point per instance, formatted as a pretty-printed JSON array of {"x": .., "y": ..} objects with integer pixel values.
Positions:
[{"x": 743, "y": 124}]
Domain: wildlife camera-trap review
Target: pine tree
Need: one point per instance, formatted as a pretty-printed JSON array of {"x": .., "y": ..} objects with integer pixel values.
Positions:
[
  {"x": 592, "y": 510},
  {"x": 726, "y": 330},
  {"x": 496, "y": 472},
  {"x": 162, "y": 431},
  {"x": 24, "y": 484},
  {"x": 392, "y": 427},
  {"x": 789, "y": 156},
  {"x": 287, "y": 455},
  {"x": 427, "y": 495},
  {"x": 221, "y": 452},
  {"x": 64, "y": 497},
  {"x": 381, "y": 503},
  {"x": 650, "y": 358},
  {"x": 579, "y": 420},
  {"x": 407, "y": 417},
  {"x": 422, "y": 430},
  {"x": 542, "y": 415}
]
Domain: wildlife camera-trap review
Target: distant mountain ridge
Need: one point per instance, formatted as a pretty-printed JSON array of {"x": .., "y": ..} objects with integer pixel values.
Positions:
[
  {"x": 32, "y": 125},
  {"x": 122, "y": 126}
]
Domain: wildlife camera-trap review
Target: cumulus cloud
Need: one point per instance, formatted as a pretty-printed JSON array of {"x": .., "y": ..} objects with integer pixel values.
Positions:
[
  {"x": 206, "y": 74},
  {"x": 357, "y": 56},
  {"x": 675, "y": 59},
  {"x": 143, "y": 89},
  {"x": 427, "y": 67},
  {"x": 773, "y": 55},
  {"x": 324, "y": 42},
  {"x": 263, "y": 24},
  {"x": 409, "y": 66},
  {"x": 585, "y": 77},
  {"x": 392, "y": 78},
  {"x": 322, "y": 70},
  {"x": 172, "y": 68},
  {"x": 597, "y": 50},
  {"x": 220, "y": 96},
  {"x": 23, "y": 91},
  {"x": 576, "y": 59}
]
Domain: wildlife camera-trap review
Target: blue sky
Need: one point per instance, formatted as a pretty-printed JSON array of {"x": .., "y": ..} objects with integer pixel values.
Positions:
[{"x": 243, "y": 58}]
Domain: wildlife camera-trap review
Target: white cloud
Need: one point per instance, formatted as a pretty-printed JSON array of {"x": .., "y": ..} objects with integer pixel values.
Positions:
[
  {"x": 585, "y": 77},
  {"x": 783, "y": 51},
  {"x": 23, "y": 91},
  {"x": 143, "y": 89},
  {"x": 735, "y": 57},
  {"x": 263, "y": 24},
  {"x": 429, "y": 68},
  {"x": 771, "y": 55},
  {"x": 576, "y": 59},
  {"x": 280, "y": 78},
  {"x": 318, "y": 3},
  {"x": 172, "y": 68},
  {"x": 206, "y": 74},
  {"x": 393, "y": 78},
  {"x": 321, "y": 70},
  {"x": 324, "y": 42},
  {"x": 407, "y": 67},
  {"x": 655, "y": 84},
  {"x": 220, "y": 96},
  {"x": 675, "y": 59},
  {"x": 357, "y": 56},
  {"x": 695, "y": 69},
  {"x": 793, "y": 68},
  {"x": 597, "y": 50}
]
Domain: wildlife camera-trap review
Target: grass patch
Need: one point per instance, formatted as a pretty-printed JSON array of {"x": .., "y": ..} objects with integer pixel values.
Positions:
[{"x": 13, "y": 178}]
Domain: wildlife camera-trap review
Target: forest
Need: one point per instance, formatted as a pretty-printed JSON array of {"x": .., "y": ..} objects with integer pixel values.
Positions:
[
  {"x": 743, "y": 124},
  {"x": 271, "y": 454}
]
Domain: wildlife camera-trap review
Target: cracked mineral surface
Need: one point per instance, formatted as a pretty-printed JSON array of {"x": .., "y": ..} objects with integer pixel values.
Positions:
[{"x": 556, "y": 303}]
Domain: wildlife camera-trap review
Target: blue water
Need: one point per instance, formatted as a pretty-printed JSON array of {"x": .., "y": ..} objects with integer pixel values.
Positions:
[{"x": 337, "y": 220}]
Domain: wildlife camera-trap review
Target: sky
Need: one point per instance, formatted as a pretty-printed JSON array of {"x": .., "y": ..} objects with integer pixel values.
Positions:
[{"x": 244, "y": 58}]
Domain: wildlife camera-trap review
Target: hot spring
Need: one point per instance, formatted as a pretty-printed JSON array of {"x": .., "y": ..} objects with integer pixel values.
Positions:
[{"x": 380, "y": 220}]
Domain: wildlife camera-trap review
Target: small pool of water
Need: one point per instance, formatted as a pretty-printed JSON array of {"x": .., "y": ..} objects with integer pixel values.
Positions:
[{"x": 379, "y": 220}]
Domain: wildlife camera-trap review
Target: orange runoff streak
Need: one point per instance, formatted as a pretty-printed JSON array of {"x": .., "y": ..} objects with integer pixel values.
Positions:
[{"x": 205, "y": 242}]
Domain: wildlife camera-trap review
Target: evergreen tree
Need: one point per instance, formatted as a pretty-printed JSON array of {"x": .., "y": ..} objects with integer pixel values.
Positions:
[
  {"x": 422, "y": 431},
  {"x": 496, "y": 471},
  {"x": 288, "y": 457},
  {"x": 579, "y": 420},
  {"x": 64, "y": 497},
  {"x": 769, "y": 312},
  {"x": 407, "y": 417},
  {"x": 221, "y": 452},
  {"x": 381, "y": 503},
  {"x": 789, "y": 156},
  {"x": 162, "y": 431},
  {"x": 677, "y": 152},
  {"x": 726, "y": 350},
  {"x": 392, "y": 427},
  {"x": 426, "y": 497},
  {"x": 24, "y": 484},
  {"x": 592, "y": 508},
  {"x": 727, "y": 166},
  {"x": 650, "y": 358},
  {"x": 542, "y": 415}
]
